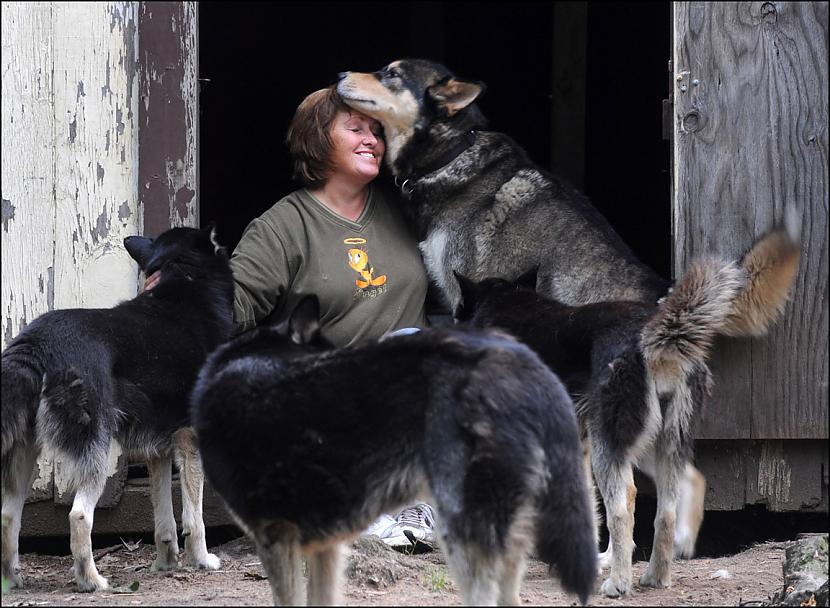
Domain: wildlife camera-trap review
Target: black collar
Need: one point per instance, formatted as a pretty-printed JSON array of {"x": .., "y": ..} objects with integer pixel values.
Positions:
[{"x": 406, "y": 182}]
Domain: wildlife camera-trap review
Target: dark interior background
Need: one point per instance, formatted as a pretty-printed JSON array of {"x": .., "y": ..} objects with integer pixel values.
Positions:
[{"x": 258, "y": 61}]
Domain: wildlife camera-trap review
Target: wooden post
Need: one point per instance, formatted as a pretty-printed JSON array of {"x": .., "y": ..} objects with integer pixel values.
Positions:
[{"x": 750, "y": 140}]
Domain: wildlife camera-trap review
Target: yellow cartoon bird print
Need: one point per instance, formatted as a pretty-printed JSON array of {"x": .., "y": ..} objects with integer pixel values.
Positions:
[{"x": 359, "y": 262}]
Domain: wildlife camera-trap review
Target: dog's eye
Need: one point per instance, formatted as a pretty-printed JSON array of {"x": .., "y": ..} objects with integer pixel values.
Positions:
[{"x": 393, "y": 73}]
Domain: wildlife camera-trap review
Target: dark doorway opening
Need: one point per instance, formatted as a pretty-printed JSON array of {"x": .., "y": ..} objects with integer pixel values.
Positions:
[{"x": 258, "y": 61}]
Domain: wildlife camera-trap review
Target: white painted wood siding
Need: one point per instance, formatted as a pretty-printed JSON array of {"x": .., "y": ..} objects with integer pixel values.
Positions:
[{"x": 69, "y": 164}]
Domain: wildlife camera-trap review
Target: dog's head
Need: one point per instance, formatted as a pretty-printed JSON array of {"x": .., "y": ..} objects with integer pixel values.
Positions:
[
  {"x": 189, "y": 251},
  {"x": 491, "y": 291},
  {"x": 407, "y": 96},
  {"x": 301, "y": 331}
]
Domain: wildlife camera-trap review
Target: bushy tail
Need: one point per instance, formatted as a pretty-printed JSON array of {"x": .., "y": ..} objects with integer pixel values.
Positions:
[
  {"x": 770, "y": 266},
  {"x": 718, "y": 297},
  {"x": 565, "y": 530},
  {"x": 21, "y": 384},
  {"x": 678, "y": 337}
]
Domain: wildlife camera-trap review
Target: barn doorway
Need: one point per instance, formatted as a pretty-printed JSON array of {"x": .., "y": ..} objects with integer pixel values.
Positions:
[{"x": 257, "y": 62}]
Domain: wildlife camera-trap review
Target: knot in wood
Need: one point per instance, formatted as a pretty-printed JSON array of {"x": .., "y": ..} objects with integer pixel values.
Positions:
[
  {"x": 691, "y": 121},
  {"x": 769, "y": 14}
]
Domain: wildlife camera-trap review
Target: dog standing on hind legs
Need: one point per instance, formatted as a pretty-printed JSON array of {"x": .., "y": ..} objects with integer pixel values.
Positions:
[
  {"x": 484, "y": 209},
  {"x": 73, "y": 380}
]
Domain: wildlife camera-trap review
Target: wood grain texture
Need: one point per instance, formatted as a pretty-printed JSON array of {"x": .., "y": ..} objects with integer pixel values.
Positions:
[
  {"x": 168, "y": 114},
  {"x": 70, "y": 153},
  {"x": 750, "y": 139}
]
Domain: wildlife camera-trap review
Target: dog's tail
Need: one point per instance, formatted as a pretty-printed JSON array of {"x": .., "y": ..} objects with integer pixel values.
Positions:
[
  {"x": 678, "y": 337},
  {"x": 719, "y": 297},
  {"x": 566, "y": 526},
  {"x": 21, "y": 382},
  {"x": 770, "y": 266}
]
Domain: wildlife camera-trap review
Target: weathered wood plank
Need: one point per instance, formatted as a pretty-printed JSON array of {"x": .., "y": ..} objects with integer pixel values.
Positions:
[
  {"x": 96, "y": 152},
  {"x": 751, "y": 139},
  {"x": 28, "y": 210},
  {"x": 169, "y": 93}
]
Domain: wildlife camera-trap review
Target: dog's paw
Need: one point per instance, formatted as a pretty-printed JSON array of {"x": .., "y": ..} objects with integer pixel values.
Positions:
[
  {"x": 615, "y": 587},
  {"x": 651, "y": 578},
  {"x": 207, "y": 562},
  {"x": 12, "y": 578},
  {"x": 684, "y": 547},
  {"x": 94, "y": 582},
  {"x": 167, "y": 557}
]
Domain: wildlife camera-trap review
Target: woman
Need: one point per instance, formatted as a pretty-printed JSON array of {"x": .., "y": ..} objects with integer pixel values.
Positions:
[{"x": 341, "y": 238}]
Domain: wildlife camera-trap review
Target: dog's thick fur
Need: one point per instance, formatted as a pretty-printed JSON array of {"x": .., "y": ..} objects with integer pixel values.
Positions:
[
  {"x": 74, "y": 380},
  {"x": 484, "y": 209},
  {"x": 624, "y": 361},
  {"x": 474, "y": 423}
]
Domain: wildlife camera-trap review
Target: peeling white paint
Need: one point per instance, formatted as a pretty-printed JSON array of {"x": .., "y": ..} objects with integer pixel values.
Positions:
[{"x": 69, "y": 162}]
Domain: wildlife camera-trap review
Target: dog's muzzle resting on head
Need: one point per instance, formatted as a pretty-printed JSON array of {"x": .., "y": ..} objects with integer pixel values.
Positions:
[{"x": 484, "y": 209}]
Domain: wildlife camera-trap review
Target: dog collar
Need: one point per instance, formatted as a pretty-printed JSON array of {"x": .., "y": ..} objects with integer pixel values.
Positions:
[{"x": 406, "y": 184}]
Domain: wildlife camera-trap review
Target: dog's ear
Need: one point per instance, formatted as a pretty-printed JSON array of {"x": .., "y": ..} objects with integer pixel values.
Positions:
[
  {"x": 210, "y": 232},
  {"x": 454, "y": 95},
  {"x": 528, "y": 279},
  {"x": 304, "y": 322},
  {"x": 139, "y": 248},
  {"x": 469, "y": 298}
]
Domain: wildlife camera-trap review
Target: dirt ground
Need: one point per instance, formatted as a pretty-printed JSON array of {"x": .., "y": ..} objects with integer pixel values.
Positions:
[{"x": 376, "y": 576}]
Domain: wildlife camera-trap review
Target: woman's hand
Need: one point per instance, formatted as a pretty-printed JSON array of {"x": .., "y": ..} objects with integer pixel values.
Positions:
[{"x": 152, "y": 281}]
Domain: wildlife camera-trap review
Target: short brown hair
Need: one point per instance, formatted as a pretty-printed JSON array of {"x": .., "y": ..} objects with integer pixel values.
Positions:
[{"x": 309, "y": 135}]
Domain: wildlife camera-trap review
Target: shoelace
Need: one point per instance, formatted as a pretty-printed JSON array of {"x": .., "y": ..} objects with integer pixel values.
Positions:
[{"x": 419, "y": 515}]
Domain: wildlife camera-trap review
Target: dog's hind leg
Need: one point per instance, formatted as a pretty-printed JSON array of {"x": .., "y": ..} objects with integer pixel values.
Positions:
[
  {"x": 616, "y": 484},
  {"x": 80, "y": 532},
  {"x": 192, "y": 482},
  {"x": 477, "y": 573},
  {"x": 18, "y": 475},
  {"x": 668, "y": 470},
  {"x": 281, "y": 561},
  {"x": 689, "y": 511},
  {"x": 161, "y": 495},
  {"x": 324, "y": 569}
]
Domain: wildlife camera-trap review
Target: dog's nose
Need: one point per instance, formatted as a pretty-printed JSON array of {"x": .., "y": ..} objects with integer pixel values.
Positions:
[{"x": 342, "y": 75}]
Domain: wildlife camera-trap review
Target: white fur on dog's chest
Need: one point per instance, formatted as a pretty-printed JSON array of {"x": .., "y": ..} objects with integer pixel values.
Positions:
[{"x": 434, "y": 249}]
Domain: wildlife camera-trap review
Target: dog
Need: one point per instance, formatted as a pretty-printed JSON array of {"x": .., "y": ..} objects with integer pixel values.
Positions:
[
  {"x": 473, "y": 423},
  {"x": 75, "y": 379},
  {"x": 484, "y": 209},
  {"x": 640, "y": 377}
]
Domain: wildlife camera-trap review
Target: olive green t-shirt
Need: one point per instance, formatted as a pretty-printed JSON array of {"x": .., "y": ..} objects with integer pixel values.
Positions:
[{"x": 367, "y": 274}]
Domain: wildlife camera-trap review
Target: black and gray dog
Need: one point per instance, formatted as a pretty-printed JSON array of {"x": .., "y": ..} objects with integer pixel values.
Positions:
[
  {"x": 485, "y": 209},
  {"x": 619, "y": 361},
  {"x": 74, "y": 380},
  {"x": 308, "y": 445}
]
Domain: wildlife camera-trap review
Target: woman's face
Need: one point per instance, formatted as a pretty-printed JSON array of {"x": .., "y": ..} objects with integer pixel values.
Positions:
[{"x": 358, "y": 146}]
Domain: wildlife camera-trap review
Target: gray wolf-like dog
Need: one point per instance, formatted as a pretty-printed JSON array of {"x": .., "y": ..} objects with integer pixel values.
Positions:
[
  {"x": 472, "y": 422},
  {"x": 484, "y": 209},
  {"x": 74, "y": 380}
]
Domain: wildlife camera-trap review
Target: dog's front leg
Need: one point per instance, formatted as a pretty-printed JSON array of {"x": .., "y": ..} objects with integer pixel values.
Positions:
[
  {"x": 192, "y": 482},
  {"x": 281, "y": 561},
  {"x": 669, "y": 468},
  {"x": 80, "y": 535},
  {"x": 324, "y": 568},
  {"x": 161, "y": 495}
]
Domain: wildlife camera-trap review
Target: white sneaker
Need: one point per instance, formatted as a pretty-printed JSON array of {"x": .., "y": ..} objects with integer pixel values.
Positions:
[
  {"x": 380, "y": 527},
  {"x": 413, "y": 525}
]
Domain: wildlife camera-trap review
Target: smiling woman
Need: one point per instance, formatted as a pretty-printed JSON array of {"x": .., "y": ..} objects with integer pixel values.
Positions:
[{"x": 340, "y": 237}]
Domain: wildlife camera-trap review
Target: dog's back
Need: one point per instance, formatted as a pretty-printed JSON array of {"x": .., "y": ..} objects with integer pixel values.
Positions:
[
  {"x": 74, "y": 380},
  {"x": 330, "y": 441}
]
